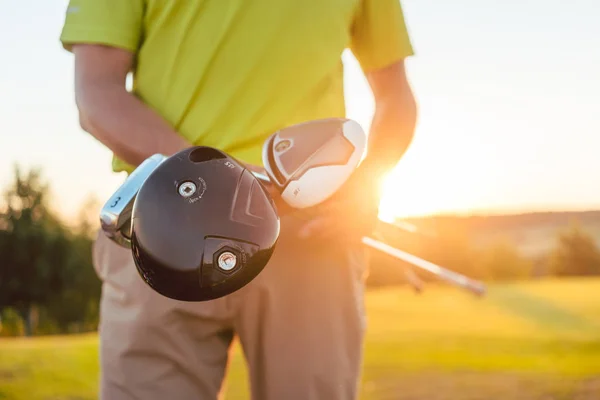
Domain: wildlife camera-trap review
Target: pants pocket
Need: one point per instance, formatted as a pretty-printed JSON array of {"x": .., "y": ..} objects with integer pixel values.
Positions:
[{"x": 114, "y": 264}]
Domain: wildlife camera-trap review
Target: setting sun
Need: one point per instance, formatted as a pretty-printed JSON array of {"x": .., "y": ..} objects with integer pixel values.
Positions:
[
  {"x": 397, "y": 201},
  {"x": 430, "y": 179}
]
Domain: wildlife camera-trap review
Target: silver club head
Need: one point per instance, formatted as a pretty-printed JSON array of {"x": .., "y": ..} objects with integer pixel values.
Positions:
[{"x": 115, "y": 216}]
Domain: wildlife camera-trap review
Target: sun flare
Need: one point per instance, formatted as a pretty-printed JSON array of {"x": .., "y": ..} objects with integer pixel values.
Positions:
[
  {"x": 395, "y": 203},
  {"x": 405, "y": 195}
]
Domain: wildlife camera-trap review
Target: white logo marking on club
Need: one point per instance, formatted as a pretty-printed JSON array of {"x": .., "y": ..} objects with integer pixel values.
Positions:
[{"x": 283, "y": 145}]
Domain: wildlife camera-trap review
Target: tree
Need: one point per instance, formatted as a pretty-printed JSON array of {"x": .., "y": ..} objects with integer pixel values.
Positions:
[
  {"x": 75, "y": 307},
  {"x": 33, "y": 247},
  {"x": 502, "y": 262},
  {"x": 576, "y": 253}
]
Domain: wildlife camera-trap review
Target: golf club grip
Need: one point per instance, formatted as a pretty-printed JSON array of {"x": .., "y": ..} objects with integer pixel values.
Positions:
[{"x": 447, "y": 275}]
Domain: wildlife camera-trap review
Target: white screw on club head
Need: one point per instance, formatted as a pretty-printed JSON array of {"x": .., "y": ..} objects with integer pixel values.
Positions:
[
  {"x": 186, "y": 189},
  {"x": 227, "y": 261}
]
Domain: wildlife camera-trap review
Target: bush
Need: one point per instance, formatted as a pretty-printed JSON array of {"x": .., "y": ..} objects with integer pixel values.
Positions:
[
  {"x": 11, "y": 323},
  {"x": 575, "y": 254}
]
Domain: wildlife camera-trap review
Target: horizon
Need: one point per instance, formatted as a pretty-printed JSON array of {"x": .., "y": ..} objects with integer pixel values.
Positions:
[{"x": 508, "y": 110}]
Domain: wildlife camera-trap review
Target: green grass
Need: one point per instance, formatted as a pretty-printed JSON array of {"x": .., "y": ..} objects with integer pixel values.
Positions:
[{"x": 536, "y": 340}]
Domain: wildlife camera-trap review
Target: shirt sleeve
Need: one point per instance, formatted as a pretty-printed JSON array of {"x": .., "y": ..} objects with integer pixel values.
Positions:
[
  {"x": 379, "y": 34},
  {"x": 115, "y": 23}
]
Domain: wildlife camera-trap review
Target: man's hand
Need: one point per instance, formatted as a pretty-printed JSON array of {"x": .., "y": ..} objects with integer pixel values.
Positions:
[
  {"x": 351, "y": 213},
  {"x": 115, "y": 117}
]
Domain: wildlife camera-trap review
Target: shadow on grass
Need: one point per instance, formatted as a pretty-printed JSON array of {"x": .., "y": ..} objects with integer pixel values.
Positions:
[{"x": 540, "y": 311}]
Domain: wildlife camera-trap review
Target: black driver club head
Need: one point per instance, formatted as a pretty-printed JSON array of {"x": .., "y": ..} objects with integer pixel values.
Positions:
[{"x": 202, "y": 226}]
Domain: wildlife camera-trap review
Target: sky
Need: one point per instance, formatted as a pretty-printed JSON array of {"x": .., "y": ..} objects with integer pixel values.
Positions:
[{"x": 508, "y": 95}]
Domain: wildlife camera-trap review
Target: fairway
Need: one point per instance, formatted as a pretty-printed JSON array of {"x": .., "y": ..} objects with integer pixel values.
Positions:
[{"x": 535, "y": 340}]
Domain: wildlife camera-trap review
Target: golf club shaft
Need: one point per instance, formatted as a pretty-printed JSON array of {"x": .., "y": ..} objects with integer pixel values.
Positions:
[
  {"x": 443, "y": 273},
  {"x": 411, "y": 228}
]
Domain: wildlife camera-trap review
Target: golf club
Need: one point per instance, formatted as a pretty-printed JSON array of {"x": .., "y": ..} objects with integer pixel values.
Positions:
[
  {"x": 447, "y": 275},
  {"x": 201, "y": 225},
  {"x": 331, "y": 150},
  {"x": 115, "y": 216}
]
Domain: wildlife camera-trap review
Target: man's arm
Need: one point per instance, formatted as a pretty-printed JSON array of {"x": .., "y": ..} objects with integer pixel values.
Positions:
[
  {"x": 392, "y": 131},
  {"x": 380, "y": 43},
  {"x": 394, "y": 120},
  {"x": 115, "y": 117}
]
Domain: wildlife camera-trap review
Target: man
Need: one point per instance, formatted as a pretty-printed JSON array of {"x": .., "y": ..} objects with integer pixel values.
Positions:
[{"x": 227, "y": 74}]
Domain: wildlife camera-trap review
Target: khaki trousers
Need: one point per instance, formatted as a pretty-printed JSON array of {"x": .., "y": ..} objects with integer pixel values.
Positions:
[{"x": 301, "y": 325}]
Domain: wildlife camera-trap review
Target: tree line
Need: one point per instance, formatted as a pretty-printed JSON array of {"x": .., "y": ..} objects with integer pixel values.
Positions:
[
  {"x": 574, "y": 253},
  {"x": 48, "y": 284}
]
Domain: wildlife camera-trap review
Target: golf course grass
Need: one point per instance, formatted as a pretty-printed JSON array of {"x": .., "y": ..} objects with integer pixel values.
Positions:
[{"x": 534, "y": 340}]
